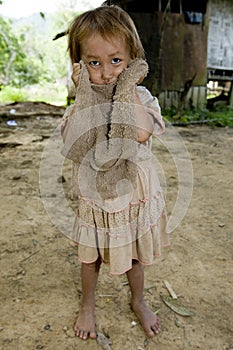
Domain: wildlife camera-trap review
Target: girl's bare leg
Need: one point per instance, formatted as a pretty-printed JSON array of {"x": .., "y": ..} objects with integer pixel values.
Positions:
[
  {"x": 149, "y": 321},
  {"x": 85, "y": 324}
]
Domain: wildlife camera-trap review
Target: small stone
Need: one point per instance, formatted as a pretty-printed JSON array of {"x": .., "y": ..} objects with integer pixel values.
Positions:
[
  {"x": 16, "y": 177},
  {"x": 133, "y": 323},
  {"x": 52, "y": 195},
  {"x": 47, "y": 327},
  {"x": 70, "y": 333},
  {"x": 61, "y": 179},
  {"x": 34, "y": 241},
  {"x": 11, "y": 123}
]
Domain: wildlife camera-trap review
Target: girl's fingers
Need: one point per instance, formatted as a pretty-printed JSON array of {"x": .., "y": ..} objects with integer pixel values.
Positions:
[
  {"x": 76, "y": 66},
  {"x": 76, "y": 73}
]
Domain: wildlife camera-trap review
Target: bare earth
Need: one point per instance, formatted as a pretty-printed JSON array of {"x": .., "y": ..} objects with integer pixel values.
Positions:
[{"x": 40, "y": 275}]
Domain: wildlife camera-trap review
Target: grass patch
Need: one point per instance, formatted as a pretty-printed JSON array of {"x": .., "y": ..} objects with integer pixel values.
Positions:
[
  {"x": 9, "y": 94},
  {"x": 50, "y": 93},
  {"x": 220, "y": 116}
]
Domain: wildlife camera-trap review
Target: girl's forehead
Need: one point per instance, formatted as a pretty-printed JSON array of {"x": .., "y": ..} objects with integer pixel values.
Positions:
[
  {"x": 98, "y": 44},
  {"x": 93, "y": 38},
  {"x": 107, "y": 36}
]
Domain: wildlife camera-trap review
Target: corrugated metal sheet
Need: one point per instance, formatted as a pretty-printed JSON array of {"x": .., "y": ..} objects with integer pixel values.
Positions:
[{"x": 220, "y": 38}]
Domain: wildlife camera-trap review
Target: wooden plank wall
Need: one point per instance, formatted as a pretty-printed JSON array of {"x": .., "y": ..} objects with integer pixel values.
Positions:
[{"x": 196, "y": 98}]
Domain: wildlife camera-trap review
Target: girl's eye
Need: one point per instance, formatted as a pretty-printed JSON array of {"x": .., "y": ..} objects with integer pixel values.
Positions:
[
  {"x": 94, "y": 63},
  {"x": 116, "y": 60}
]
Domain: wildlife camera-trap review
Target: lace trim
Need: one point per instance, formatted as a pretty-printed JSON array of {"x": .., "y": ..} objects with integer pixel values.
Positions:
[{"x": 137, "y": 217}]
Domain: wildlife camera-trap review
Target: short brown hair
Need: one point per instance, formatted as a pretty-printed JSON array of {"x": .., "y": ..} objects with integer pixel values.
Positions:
[{"x": 108, "y": 21}]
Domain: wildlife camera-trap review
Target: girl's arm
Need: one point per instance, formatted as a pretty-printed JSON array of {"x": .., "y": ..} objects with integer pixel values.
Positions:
[
  {"x": 144, "y": 121},
  {"x": 148, "y": 115}
]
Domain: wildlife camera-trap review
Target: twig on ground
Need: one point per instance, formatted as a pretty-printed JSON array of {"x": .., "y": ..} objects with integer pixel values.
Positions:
[{"x": 170, "y": 289}]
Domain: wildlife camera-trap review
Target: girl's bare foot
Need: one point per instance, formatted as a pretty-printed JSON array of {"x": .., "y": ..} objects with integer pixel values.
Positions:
[
  {"x": 149, "y": 321},
  {"x": 85, "y": 325}
]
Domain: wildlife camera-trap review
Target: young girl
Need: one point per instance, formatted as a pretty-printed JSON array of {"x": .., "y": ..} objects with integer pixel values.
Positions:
[{"x": 107, "y": 134}]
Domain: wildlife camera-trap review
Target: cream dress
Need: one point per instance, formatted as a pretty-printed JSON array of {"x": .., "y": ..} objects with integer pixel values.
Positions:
[{"x": 132, "y": 226}]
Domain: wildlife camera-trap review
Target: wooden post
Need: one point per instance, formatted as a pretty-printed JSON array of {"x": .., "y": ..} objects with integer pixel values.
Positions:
[{"x": 231, "y": 95}]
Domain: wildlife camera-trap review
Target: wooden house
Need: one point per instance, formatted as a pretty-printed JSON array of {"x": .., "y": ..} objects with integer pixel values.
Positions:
[
  {"x": 179, "y": 37},
  {"x": 187, "y": 44},
  {"x": 220, "y": 47},
  {"x": 174, "y": 35}
]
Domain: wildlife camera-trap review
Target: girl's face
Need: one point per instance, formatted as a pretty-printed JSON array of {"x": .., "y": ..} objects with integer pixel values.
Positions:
[{"x": 105, "y": 59}]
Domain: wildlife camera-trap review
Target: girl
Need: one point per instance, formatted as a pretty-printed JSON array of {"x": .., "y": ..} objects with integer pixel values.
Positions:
[{"x": 107, "y": 134}]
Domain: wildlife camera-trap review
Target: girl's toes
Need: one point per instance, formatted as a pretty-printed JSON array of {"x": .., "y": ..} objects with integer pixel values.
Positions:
[
  {"x": 77, "y": 331},
  {"x": 83, "y": 335},
  {"x": 150, "y": 333},
  {"x": 93, "y": 335},
  {"x": 156, "y": 328}
]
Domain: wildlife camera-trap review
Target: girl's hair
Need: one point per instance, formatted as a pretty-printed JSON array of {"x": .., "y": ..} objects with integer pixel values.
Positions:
[{"x": 108, "y": 21}]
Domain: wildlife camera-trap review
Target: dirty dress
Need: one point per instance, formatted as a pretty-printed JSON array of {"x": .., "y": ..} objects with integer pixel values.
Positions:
[{"x": 131, "y": 226}]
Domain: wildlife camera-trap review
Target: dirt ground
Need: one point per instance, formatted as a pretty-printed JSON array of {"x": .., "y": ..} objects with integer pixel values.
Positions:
[{"x": 40, "y": 276}]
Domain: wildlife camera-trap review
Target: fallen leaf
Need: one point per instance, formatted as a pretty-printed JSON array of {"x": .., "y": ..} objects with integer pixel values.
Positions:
[
  {"x": 103, "y": 341},
  {"x": 175, "y": 306}
]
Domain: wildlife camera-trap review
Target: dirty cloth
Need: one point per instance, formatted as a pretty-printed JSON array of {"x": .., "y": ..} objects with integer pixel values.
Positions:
[{"x": 131, "y": 225}]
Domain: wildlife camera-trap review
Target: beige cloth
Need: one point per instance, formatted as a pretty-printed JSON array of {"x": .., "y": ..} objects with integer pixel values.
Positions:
[
  {"x": 131, "y": 226},
  {"x": 102, "y": 135}
]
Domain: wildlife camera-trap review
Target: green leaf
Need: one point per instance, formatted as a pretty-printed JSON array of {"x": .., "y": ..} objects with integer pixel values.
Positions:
[
  {"x": 42, "y": 15},
  {"x": 175, "y": 306}
]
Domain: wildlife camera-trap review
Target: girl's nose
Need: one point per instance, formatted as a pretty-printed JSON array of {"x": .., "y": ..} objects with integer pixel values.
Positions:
[{"x": 106, "y": 72}]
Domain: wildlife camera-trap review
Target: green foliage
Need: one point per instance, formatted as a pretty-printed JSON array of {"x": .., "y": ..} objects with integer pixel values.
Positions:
[
  {"x": 221, "y": 116},
  {"x": 47, "y": 92},
  {"x": 11, "y": 94},
  {"x": 46, "y": 59},
  {"x": 29, "y": 55},
  {"x": 17, "y": 68}
]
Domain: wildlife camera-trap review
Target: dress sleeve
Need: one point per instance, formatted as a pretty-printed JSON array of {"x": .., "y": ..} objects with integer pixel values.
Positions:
[
  {"x": 153, "y": 108},
  {"x": 65, "y": 120}
]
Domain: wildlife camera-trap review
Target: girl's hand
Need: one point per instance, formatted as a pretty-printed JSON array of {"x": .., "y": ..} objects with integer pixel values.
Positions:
[{"x": 76, "y": 73}]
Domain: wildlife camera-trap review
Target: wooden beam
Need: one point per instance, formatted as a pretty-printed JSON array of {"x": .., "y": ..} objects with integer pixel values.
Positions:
[{"x": 231, "y": 95}]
